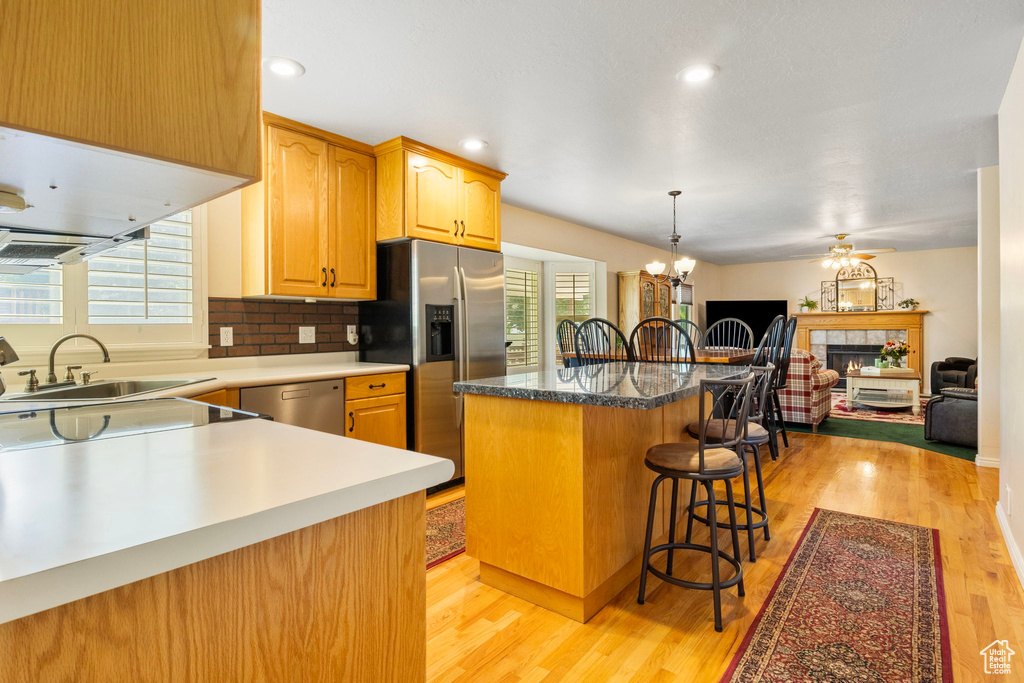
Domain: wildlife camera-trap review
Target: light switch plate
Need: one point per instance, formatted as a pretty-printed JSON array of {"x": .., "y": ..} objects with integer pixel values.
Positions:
[
  {"x": 227, "y": 336},
  {"x": 307, "y": 335}
]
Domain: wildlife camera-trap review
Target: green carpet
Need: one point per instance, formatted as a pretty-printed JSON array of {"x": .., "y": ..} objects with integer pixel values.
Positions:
[{"x": 911, "y": 435}]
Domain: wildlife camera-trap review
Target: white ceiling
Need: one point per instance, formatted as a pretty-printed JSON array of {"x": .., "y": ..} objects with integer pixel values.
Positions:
[{"x": 866, "y": 117}]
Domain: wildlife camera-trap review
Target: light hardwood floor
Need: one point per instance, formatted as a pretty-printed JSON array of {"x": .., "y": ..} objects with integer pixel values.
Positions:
[{"x": 477, "y": 633}]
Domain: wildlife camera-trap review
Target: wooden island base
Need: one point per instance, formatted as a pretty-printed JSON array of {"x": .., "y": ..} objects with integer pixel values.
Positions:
[
  {"x": 344, "y": 600},
  {"x": 557, "y": 496}
]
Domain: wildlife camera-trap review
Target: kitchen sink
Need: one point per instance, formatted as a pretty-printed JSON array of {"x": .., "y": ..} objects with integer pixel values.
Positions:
[{"x": 106, "y": 389}]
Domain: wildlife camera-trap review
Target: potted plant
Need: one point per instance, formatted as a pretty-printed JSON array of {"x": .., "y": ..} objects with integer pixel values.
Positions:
[
  {"x": 808, "y": 304},
  {"x": 909, "y": 304},
  {"x": 895, "y": 350}
]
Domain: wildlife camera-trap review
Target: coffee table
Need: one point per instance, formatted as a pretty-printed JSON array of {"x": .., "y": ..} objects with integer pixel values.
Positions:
[{"x": 891, "y": 390}]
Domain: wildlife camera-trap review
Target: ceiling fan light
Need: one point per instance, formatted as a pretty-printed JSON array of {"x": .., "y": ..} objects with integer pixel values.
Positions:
[
  {"x": 827, "y": 263},
  {"x": 854, "y": 261},
  {"x": 684, "y": 266},
  {"x": 655, "y": 268},
  {"x": 836, "y": 265}
]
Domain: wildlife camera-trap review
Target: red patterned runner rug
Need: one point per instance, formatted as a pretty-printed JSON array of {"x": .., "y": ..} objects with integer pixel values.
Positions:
[
  {"x": 860, "y": 599},
  {"x": 446, "y": 531}
]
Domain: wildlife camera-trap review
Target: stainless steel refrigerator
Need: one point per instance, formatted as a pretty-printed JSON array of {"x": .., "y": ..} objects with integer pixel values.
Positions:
[{"x": 440, "y": 309}]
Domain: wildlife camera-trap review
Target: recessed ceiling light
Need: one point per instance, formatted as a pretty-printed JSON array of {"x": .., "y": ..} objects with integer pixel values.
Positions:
[
  {"x": 697, "y": 73},
  {"x": 284, "y": 67},
  {"x": 473, "y": 144}
]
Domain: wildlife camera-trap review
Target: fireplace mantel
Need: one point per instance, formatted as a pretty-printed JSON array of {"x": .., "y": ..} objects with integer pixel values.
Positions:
[{"x": 911, "y": 321}]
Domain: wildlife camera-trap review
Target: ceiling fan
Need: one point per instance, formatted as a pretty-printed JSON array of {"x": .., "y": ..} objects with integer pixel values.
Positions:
[{"x": 843, "y": 254}]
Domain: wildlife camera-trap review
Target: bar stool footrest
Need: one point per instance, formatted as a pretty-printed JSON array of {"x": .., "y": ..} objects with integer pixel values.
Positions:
[
  {"x": 760, "y": 524},
  {"x": 727, "y": 583}
]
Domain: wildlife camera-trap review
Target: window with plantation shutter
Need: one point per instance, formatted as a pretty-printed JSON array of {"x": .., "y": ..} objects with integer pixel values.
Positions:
[
  {"x": 144, "y": 300},
  {"x": 148, "y": 282},
  {"x": 572, "y": 297},
  {"x": 35, "y": 298},
  {"x": 522, "y": 320}
]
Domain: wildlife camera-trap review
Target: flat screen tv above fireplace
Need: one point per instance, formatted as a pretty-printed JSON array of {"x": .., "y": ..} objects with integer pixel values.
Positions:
[{"x": 756, "y": 313}]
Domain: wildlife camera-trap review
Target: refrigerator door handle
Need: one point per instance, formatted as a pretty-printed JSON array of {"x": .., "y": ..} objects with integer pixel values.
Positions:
[
  {"x": 460, "y": 350},
  {"x": 465, "y": 323}
]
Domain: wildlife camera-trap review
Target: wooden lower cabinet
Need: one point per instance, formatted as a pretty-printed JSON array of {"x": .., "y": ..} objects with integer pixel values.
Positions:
[
  {"x": 225, "y": 397},
  {"x": 378, "y": 420}
]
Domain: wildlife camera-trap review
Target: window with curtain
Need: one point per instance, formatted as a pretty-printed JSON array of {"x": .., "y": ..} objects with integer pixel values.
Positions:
[{"x": 522, "y": 319}]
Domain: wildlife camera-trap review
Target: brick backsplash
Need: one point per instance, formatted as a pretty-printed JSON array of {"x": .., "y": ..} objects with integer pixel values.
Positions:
[{"x": 264, "y": 328}]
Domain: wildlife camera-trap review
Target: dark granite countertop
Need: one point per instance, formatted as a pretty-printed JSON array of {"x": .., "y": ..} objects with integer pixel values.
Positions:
[{"x": 616, "y": 385}]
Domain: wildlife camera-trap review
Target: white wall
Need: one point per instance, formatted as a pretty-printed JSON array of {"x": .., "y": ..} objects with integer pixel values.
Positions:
[
  {"x": 988, "y": 317},
  {"x": 530, "y": 229},
  {"x": 945, "y": 281},
  {"x": 1011, "y": 272},
  {"x": 224, "y": 246}
]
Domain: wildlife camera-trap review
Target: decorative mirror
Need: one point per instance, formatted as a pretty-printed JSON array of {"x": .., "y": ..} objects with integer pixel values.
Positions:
[{"x": 857, "y": 288}]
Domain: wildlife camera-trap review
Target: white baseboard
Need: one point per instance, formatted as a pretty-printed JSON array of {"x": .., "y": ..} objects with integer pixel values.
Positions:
[
  {"x": 985, "y": 462},
  {"x": 1011, "y": 544}
]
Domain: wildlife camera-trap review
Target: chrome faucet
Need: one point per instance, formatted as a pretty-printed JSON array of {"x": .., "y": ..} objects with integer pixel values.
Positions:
[{"x": 51, "y": 377}]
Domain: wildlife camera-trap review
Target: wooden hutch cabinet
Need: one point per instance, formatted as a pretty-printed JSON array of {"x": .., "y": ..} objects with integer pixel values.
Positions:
[{"x": 640, "y": 297}]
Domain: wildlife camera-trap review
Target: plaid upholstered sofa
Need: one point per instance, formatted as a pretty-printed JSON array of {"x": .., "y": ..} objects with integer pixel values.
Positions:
[{"x": 807, "y": 398}]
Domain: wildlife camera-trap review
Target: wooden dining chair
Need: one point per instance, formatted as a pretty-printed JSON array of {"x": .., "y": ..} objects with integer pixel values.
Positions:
[
  {"x": 692, "y": 329},
  {"x": 660, "y": 340},
  {"x": 729, "y": 333},
  {"x": 600, "y": 341},
  {"x": 565, "y": 335}
]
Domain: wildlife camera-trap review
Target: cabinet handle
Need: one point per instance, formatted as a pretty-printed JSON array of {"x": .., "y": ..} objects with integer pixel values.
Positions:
[
  {"x": 352, "y": 424},
  {"x": 324, "y": 283},
  {"x": 334, "y": 277},
  {"x": 379, "y": 386},
  {"x": 456, "y": 222},
  {"x": 463, "y": 228}
]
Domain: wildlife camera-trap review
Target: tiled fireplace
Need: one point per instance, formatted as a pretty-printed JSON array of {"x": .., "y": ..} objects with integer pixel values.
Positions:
[{"x": 843, "y": 350}]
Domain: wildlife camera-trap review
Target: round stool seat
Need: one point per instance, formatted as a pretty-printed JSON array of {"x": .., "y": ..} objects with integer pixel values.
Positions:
[
  {"x": 685, "y": 457},
  {"x": 716, "y": 428}
]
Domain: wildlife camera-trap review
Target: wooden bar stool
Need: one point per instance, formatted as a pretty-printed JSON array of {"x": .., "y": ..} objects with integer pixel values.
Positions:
[
  {"x": 703, "y": 462},
  {"x": 757, "y": 435}
]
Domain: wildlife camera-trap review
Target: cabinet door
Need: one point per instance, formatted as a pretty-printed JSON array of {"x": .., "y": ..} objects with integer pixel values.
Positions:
[
  {"x": 665, "y": 300},
  {"x": 431, "y": 200},
  {"x": 353, "y": 248},
  {"x": 297, "y": 213},
  {"x": 378, "y": 420},
  {"x": 479, "y": 211},
  {"x": 646, "y": 299}
]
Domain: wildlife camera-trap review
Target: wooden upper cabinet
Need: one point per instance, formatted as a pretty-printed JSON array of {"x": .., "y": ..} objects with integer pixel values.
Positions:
[
  {"x": 308, "y": 230},
  {"x": 432, "y": 199},
  {"x": 353, "y": 206},
  {"x": 428, "y": 194},
  {"x": 480, "y": 210},
  {"x": 298, "y": 239},
  {"x": 165, "y": 79}
]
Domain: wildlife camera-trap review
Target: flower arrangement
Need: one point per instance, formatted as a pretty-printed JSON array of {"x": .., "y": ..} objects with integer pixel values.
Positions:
[
  {"x": 909, "y": 304},
  {"x": 895, "y": 350}
]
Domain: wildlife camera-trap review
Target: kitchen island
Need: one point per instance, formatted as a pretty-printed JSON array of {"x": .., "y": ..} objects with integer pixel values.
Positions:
[
  {"x": 556, "y": 487},
  {"x": 245, "y": 550}
]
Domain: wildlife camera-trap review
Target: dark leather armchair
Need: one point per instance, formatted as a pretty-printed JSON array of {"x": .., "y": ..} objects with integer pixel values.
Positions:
[
  {"x": 953, "y": 373},
  {"x": 952, "y": 417}
]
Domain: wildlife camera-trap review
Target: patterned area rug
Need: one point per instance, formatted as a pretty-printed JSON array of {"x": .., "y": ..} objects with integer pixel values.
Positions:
[
  {"x": 905, "y": 416},
  {"x": 860, "y": 599},
  {"x": 446, "y": 531}
]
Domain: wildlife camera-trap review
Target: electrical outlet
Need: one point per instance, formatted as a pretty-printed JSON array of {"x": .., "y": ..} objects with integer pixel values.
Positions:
[
  {"x": 227, "y": 336},
  {"x": 353, "y": 337},
  {"x": 307, "y": 335}
]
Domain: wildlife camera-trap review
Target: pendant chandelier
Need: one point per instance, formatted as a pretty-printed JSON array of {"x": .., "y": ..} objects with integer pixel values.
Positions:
[{"x": 681, "y": 267}]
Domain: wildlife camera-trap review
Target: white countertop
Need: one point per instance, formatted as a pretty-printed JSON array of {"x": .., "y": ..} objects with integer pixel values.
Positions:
[
  {"x": 83, "y": 518},
  {"x": 222, "y": 378}
]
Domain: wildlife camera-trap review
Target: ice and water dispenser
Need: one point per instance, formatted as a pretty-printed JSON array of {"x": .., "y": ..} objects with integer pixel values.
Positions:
[{"x": 440, "y": 332}]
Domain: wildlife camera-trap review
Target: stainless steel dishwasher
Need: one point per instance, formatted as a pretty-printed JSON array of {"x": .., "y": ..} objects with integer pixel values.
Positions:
[{"x": 313, "y": 405}]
